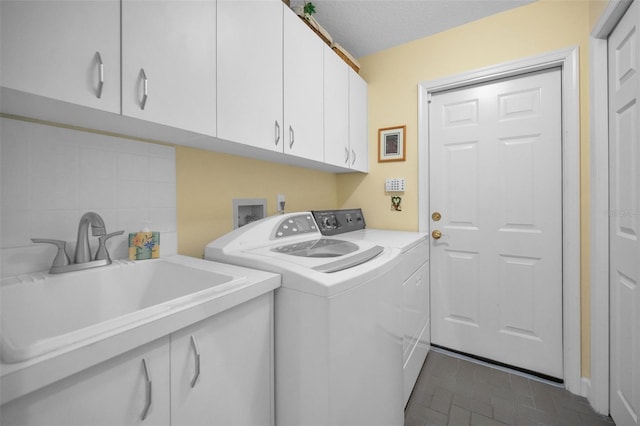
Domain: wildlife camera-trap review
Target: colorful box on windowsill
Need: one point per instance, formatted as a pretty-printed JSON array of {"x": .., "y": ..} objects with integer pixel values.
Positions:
[{"x": 144, "y": 245}]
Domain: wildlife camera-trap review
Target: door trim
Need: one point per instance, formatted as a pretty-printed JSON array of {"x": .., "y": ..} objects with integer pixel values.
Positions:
[
  {"x": 568, "y": 60},
  {"x": 598, "y": 391}
]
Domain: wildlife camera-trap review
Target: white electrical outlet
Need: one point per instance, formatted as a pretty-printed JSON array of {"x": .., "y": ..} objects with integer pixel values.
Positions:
[
  {"x": 281, "y": 203},
  {"x": 394, "y": 185}
]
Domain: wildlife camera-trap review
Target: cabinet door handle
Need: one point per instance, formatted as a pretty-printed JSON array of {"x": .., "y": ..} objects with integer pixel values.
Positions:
[
  {"x": 292, "y": 137},
  {"x": 353, "y": 157},
  {"x": 100, "y": 75},
  {"x": 277, "y": 132},
  {"x": 145, "y": 88},
  {"x": 346, "y": 156},
  {"x": 196, "y": 352},
  {"x": 148, "y": 389}
]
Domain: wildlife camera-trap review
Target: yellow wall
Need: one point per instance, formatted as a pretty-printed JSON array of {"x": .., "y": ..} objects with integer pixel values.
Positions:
[
  {"x": 394, "y": 74},
  {"x": 207, "y": 182}
]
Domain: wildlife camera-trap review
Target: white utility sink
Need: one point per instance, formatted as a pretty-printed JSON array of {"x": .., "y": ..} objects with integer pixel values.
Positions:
[{"x": 42, "y": 312}]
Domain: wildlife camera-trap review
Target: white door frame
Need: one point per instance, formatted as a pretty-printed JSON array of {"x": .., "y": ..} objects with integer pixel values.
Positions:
[
  {"x": 598, "y": 390},
  {"x": 567, "y": 59}
]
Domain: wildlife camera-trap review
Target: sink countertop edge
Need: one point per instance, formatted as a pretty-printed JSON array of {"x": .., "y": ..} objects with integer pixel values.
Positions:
[{"x": 19, "y": 379}]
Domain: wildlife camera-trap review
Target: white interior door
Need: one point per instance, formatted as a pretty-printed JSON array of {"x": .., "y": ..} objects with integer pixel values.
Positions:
[
  {"x": 624, "y": 218},
  {"x": 496, "y": 180}
]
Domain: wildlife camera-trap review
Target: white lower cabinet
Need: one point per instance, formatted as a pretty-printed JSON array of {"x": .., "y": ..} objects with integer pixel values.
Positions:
[
  {"x": 215, "y": 372},
  {"x": 221, "y": 370},
  {"x": 115, "y": 392}
]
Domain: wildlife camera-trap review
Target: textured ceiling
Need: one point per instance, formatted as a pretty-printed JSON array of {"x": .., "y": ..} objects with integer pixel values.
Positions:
[{"x": 364, "y": 27}]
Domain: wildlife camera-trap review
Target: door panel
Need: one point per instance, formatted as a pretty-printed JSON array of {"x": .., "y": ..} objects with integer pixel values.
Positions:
[
  {"x": 624, "y": 214},
  {"x": 496, "y": 177}
]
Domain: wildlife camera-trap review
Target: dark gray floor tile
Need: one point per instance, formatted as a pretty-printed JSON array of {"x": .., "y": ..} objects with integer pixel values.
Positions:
[
  {"x": 458, "y": 392},
  {"x": 480, "y": 420},
  {"x": 472, "y": 405},
  {"x": 595, "y": 420},
  {"x": 544, "y": 402},
  {"x": 520, "y": 385},
  {"x": 441, "y": 401},
  {"x": 414, "y": 421},
  {"x": 459, "y": 416},
  {"x": 433, "y": 418}
]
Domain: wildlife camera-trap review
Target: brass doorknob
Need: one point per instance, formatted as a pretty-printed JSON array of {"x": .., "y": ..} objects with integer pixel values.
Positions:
[{"x": 436, "y": 234}]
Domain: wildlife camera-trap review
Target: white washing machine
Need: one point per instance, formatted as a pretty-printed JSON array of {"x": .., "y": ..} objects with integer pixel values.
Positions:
[
  {"x": 414, "y": 272},
  {"x": 338, "y": 325}
]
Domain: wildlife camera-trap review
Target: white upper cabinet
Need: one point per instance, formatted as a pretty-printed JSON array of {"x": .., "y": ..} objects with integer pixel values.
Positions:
[
  {"x": 65, "y": 50},
  {"x": 250, "y": 72},
  {"x": 303, "y": 90},
  {"x": 345, "y": 115},
  {"x": 245, "y": 77},
  {"x": 169, "y": 63},
  {"x": 336, "y": 110},
  {"x": 358, "y": 124}
]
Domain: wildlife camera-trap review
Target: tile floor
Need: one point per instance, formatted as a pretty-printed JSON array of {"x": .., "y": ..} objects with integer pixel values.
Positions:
[{"x": 455, "y": 391}]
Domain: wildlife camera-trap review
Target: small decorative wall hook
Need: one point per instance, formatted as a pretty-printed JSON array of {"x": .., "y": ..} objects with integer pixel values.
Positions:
[{"x": 395, "y": 204}]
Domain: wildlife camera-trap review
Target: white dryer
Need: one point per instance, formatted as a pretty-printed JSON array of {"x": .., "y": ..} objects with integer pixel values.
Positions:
[{"x": 338, "y": 326}]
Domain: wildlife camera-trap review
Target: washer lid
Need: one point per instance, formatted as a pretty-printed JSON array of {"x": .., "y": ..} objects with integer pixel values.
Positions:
[{"x": 322, "y": 247}]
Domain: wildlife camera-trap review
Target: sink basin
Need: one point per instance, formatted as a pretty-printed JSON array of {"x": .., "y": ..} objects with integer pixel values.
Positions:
[{"x": 42, "y": 313}]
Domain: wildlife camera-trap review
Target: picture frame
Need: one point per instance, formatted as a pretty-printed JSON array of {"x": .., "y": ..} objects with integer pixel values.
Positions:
[{"x": 391, "y": 144}]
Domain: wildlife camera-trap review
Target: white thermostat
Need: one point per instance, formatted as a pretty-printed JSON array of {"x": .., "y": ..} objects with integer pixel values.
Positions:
[{"x": 394, "y": 185}]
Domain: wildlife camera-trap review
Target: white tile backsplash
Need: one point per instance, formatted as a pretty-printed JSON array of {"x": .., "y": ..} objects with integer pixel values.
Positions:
[{"x": 51, "y": 176}]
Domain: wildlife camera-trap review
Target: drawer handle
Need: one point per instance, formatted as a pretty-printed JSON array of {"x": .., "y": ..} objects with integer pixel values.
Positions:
[
  {"x": 145, "y": 88},
  {"x": 100, "y": 75},
  {"x": 196, "y": 352},
  {"x": 148, "y": 389}
]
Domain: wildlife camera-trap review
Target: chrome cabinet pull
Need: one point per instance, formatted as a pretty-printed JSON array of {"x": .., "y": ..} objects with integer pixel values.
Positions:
[
  {"x": 277, "y": 132},
  {"x": 196, "y": 351},
  {"x": 353, "y": 157},
  {"x": 145, "y": 88},
  {"x": 346, "y": 156},
  {"x": 147, "y": 379},
  {"x": 100, "y": 75},
  {"x": 292, "y": 136}
]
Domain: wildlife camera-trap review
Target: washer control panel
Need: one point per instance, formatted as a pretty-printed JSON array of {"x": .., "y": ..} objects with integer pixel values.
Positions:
[{"x": 332, "y": 222}]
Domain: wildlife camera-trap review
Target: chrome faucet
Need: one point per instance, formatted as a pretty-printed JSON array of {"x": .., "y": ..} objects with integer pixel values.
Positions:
[
  {"x": 83, "y": 252},
  {"x": 82, "y": 256}
]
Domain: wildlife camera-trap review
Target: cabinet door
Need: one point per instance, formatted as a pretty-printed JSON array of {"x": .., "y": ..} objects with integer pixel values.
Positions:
[
  {"x": 221, "y": 368},
  {"x": 112, "y": 393},
  {"x": 169, "y": 63},
  {"x": 336, "y": 110},
  {"x": 60, "y": 50},
  {"x": 250, "y": 72},
  {"x": 358, "y": 125},
  {"x": 303, "y": 89}
]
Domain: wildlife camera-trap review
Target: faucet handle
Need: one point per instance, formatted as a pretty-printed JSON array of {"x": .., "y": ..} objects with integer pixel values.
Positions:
[
  {"x": 61, "y": 258},
  {"x": 102, "y": 252}
]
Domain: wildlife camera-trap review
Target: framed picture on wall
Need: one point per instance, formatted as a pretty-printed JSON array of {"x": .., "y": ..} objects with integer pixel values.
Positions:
[{"x": 391, "y": 145}]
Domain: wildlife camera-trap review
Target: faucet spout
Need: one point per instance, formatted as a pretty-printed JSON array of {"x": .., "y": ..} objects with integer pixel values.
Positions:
[{"x": 83, "y": 251}]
